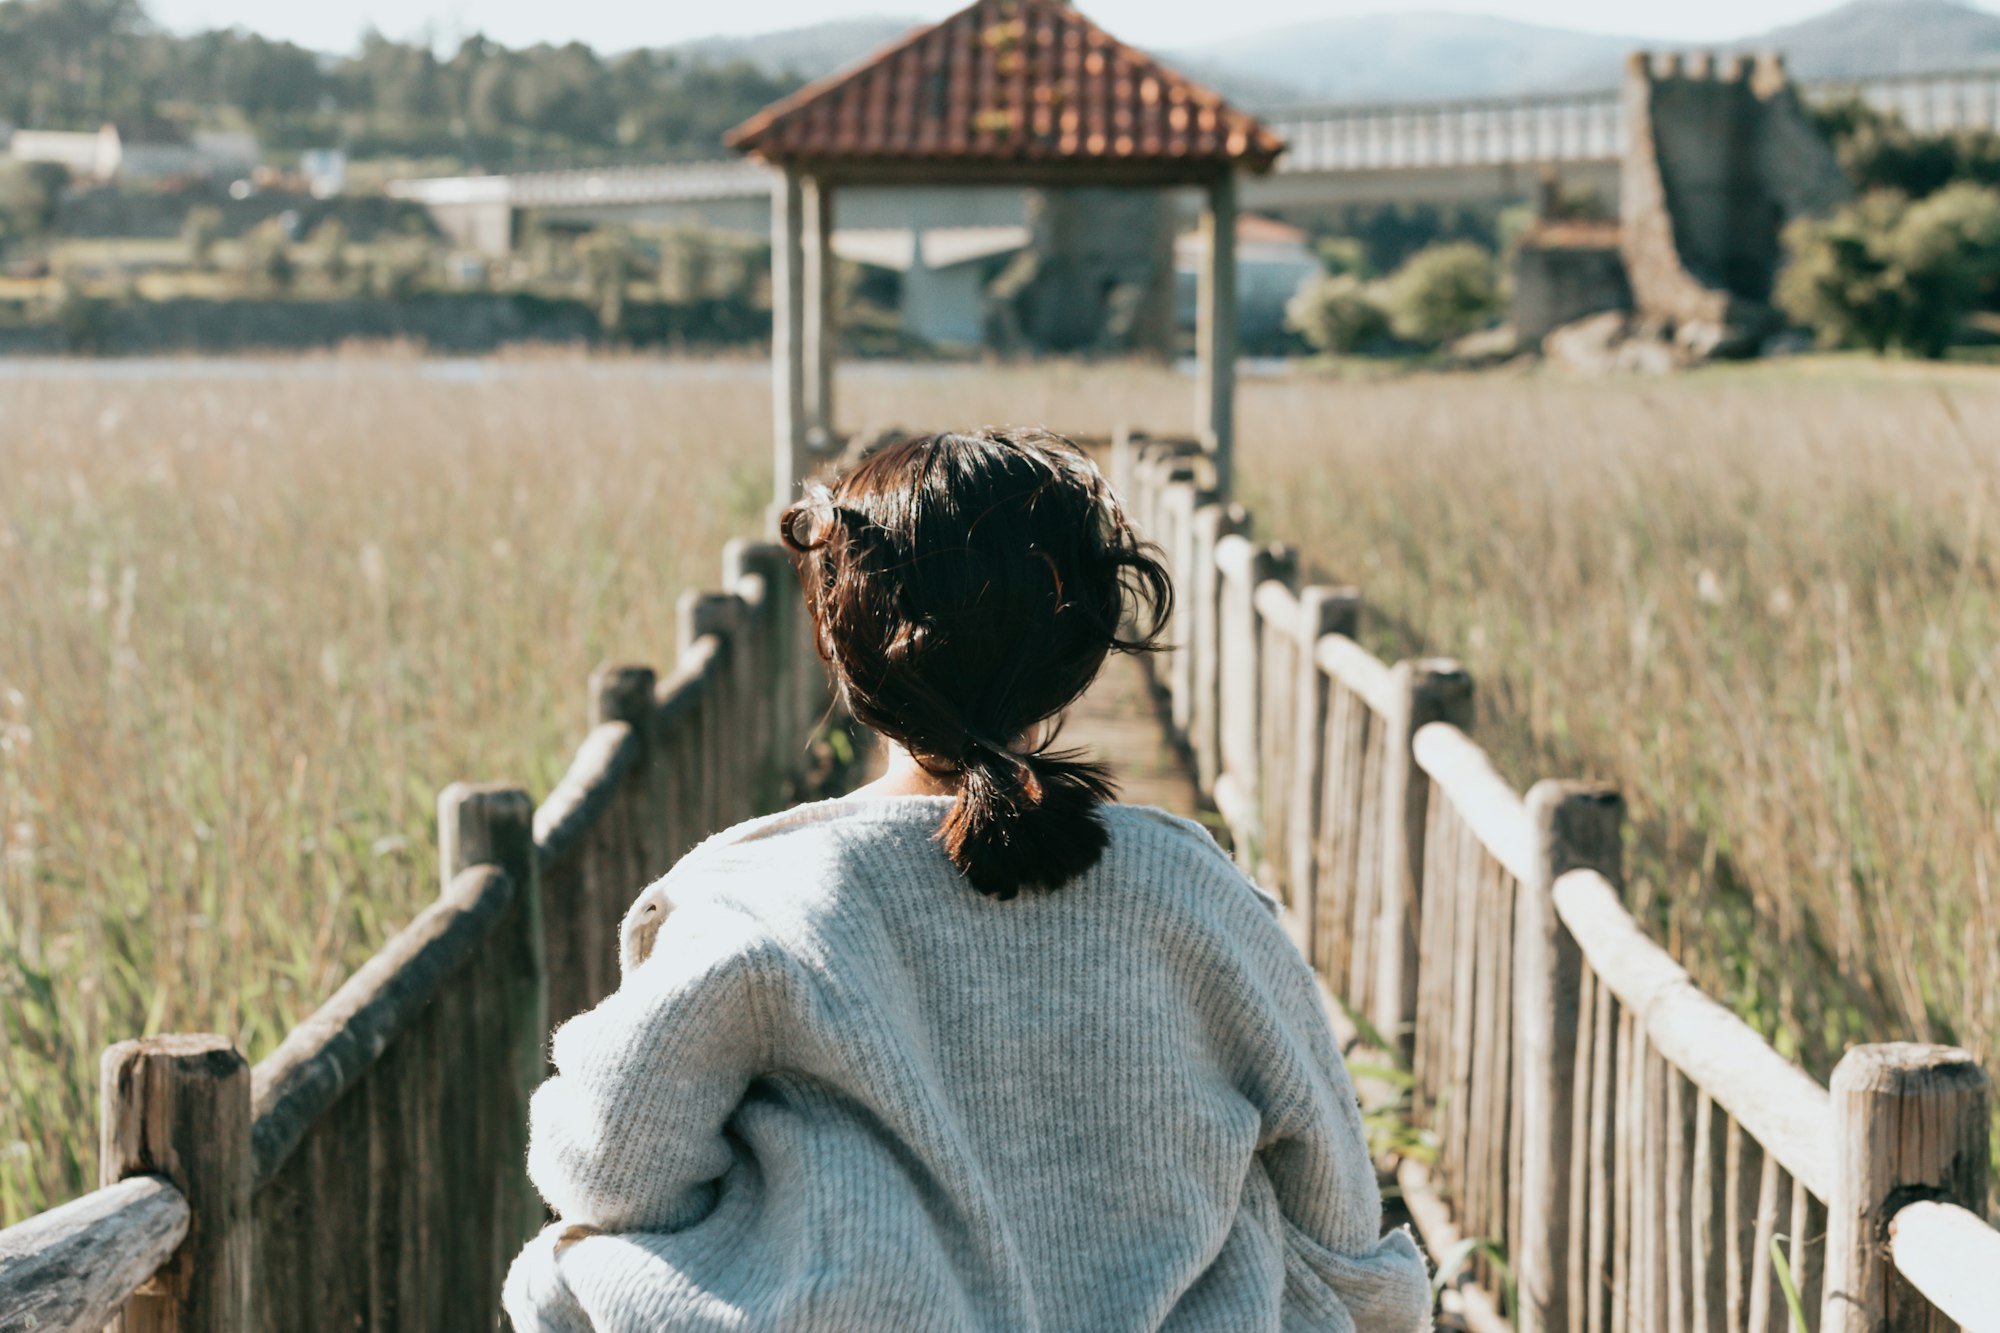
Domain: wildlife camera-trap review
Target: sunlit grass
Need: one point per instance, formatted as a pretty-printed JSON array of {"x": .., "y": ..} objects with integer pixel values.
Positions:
[
  {"x": 1763, "y": 602},
  {"x": 250, "y": 621}
]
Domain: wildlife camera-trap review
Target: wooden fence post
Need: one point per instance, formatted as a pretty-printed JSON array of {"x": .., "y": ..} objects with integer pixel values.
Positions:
[
  {"x": 1178, "y": 507},
  {"x": 493, "y": 824},
  {"x": 785, "y": 738},
  {"x": 720, "y": 615},
  {"x": 1428, "y": 690},
  {"x": 179, "y": 1106},
  {"x": 1244, "y": 568},
  {"x": 1212, "y": 523},
  {"x": 626, "y": 694},
  {"x": 1322, "y": 611},
  {"x": 1910, "y": 1123},
  {"x": 1578, "y": 826}
]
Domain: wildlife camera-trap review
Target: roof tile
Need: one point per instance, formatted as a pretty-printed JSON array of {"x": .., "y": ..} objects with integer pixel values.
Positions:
[{"x": 1016, "y": 82}]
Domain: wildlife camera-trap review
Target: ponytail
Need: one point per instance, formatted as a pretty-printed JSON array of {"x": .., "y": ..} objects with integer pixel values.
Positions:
[{"x": 1026, "y": 821}]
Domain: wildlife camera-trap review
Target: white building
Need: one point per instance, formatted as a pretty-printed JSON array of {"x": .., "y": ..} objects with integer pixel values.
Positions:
[
  {"x": 146, "y": 153},
  {"x": 85, "y": 154}
]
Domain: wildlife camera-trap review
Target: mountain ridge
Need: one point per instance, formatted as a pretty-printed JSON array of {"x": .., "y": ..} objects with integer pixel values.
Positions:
[{"x": 1428, "y": 54}]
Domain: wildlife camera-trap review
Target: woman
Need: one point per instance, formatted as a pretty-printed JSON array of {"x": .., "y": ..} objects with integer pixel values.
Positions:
[{"x": 972, "y": 1048}]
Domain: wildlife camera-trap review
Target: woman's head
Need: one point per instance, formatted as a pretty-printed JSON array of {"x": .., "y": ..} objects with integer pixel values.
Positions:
[{"x": 964, "y": 590}]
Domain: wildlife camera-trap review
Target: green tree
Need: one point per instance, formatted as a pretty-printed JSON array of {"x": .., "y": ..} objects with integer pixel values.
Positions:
[
  {"x": 1891, "y": 274},
  {"x": 1336, "y": 313},
  {"x": 28, "y": 195},
  {"x": 1444, "y": 292},
  {"x": 1879, "y": 152}
]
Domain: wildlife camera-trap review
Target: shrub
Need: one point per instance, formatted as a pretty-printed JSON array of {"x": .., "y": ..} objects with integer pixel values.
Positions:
[
  {"x": 1444, "y": 292},
  {"x": 1335, "y": 313},
  {"x": 1890, "y": 274}
]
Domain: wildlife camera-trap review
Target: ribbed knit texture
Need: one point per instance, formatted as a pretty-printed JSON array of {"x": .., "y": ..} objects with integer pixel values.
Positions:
[{"x": 840, "y": 1090}]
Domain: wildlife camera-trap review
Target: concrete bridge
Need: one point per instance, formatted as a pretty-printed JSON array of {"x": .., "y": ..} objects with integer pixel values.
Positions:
[{"x": 1473, "y": 151}]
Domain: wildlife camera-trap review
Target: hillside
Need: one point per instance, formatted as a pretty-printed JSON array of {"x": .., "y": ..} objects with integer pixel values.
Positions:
[
  {"x": 811, "y": 52},
  {"x": 1402, "y": 56},
  {"x": 1888, "y": 37}
]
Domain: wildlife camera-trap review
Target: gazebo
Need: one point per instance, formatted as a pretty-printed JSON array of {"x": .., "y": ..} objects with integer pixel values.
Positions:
[{"x": 1004, "y": 92}]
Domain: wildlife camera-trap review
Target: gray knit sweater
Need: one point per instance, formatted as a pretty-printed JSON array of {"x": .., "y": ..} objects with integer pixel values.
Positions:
[{"x": 840, "y": 1090}]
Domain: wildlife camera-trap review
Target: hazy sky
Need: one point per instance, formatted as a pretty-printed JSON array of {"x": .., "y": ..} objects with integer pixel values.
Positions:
[{"x": 335, "y": 25}]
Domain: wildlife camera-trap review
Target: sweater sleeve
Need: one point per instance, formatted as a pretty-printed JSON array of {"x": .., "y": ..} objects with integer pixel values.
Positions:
[
  {"x": 1320, "y": 1170},
  {"x": 628, "y": 1136}
]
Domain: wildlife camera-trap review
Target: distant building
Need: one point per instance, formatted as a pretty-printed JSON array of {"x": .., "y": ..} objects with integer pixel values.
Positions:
[
  {"x": 142, "y": 152},
  {"x": 1273, "y": 260},
  {"x": 227, "y": 154},
  {"x": 85, "y": 154},
  {"x": 325, "y": 170}
]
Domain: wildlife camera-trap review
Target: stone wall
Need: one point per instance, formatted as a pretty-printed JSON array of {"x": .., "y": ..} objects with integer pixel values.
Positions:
[
  {"x": 1097, "y": 276},
  {"x": 1563, "y": 272}
]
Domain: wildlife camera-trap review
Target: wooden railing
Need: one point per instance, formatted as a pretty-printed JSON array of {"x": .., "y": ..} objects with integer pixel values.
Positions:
[
  {"x": 1632, "y": 1155},
  {"x": 369, "y": 1172}
]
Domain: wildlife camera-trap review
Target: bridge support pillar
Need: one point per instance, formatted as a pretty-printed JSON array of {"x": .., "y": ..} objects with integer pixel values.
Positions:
[
  {"x": 788, "y": 336},
  {"x": 1215, "y": 332}
]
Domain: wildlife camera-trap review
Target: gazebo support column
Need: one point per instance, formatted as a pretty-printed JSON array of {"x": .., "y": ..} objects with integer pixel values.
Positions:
[
  {"x": 821, "y": 333},
  {"x": 788, "y": 337},
  {"x": 1215, "y": 333}
]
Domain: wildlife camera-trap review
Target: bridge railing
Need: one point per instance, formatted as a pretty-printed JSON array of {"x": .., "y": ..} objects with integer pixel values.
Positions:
[
  {"x": 369, "y": 1172},
  {"x": 1626, "y": 1152}
]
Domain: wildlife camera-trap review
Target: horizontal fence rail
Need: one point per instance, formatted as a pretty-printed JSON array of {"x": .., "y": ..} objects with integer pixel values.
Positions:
[
  {"x": 1619, "y": 1152},
  {"x": 369, "y": 1173}
]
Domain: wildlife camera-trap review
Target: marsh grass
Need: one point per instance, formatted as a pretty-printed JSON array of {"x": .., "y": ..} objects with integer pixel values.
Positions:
[
  {"x": 252, "y": 617},
  {"x": 1763, "y": 602}
]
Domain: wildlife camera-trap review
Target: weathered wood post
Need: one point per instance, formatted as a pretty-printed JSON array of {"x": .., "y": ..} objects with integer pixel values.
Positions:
[
  {"x": 1578, "y": 826},
  {"x": 1910, "y": 1123},
  {"x": 1239, "y": 790},
  {"x": 1178, "y": 506},
  {"x": 179, "y": 1106},
  {"x": 493, "y": 824},
  {"x": 1428, "y": 690},
  {"x": 1215, "y": 332},
  {"x": 783, "y": 656},
  {"x": 1322, "y": 611},
  {"x": 788, "y": 334},
  {"x": 625, "y": 694},
  {"x": 720, "y": 616},
  {"x": 1212, "y": 524},
  {"x": 822, "y": 332}
]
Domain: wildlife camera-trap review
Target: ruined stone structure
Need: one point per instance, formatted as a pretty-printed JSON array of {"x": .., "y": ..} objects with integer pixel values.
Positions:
[
  {"x": 1720, "y": 156},
  {"x": 1098, "y": 275},
  {"x": 1563, "y": 271}
]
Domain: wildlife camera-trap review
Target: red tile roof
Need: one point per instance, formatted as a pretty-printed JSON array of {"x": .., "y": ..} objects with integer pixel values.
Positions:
[{"x": 1011, "y": 84}]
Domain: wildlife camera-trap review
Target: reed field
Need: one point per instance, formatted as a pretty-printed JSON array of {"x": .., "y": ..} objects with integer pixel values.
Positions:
[
  {"x": 1765, "y": 602},
  {"x": 253, "y": 616}
]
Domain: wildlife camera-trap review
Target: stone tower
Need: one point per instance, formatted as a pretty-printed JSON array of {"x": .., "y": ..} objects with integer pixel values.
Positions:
[{"x": 1720, "y": 156}]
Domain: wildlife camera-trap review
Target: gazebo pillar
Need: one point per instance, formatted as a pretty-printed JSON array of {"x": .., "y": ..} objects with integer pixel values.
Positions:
[
  {"x": 788, "y": 336},
  {"x": 1215, "y": 331},
  {"x": 822, "y": 335}
]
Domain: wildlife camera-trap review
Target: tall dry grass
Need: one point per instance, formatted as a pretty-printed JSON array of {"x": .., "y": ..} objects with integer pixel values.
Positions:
[
  {"x": 1765, "y": 603},
  {"x": 249, "y": 624},
  {"x": 251, "y": 618}
]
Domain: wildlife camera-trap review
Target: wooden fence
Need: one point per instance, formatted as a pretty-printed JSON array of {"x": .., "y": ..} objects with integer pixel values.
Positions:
[
  {"x": 369, "y": 1174},
  {"x": 1636, "y": 1158}
]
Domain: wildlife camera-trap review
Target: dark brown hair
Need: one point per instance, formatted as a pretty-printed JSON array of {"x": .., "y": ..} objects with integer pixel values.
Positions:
[{"x": 963, "y": 590}]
